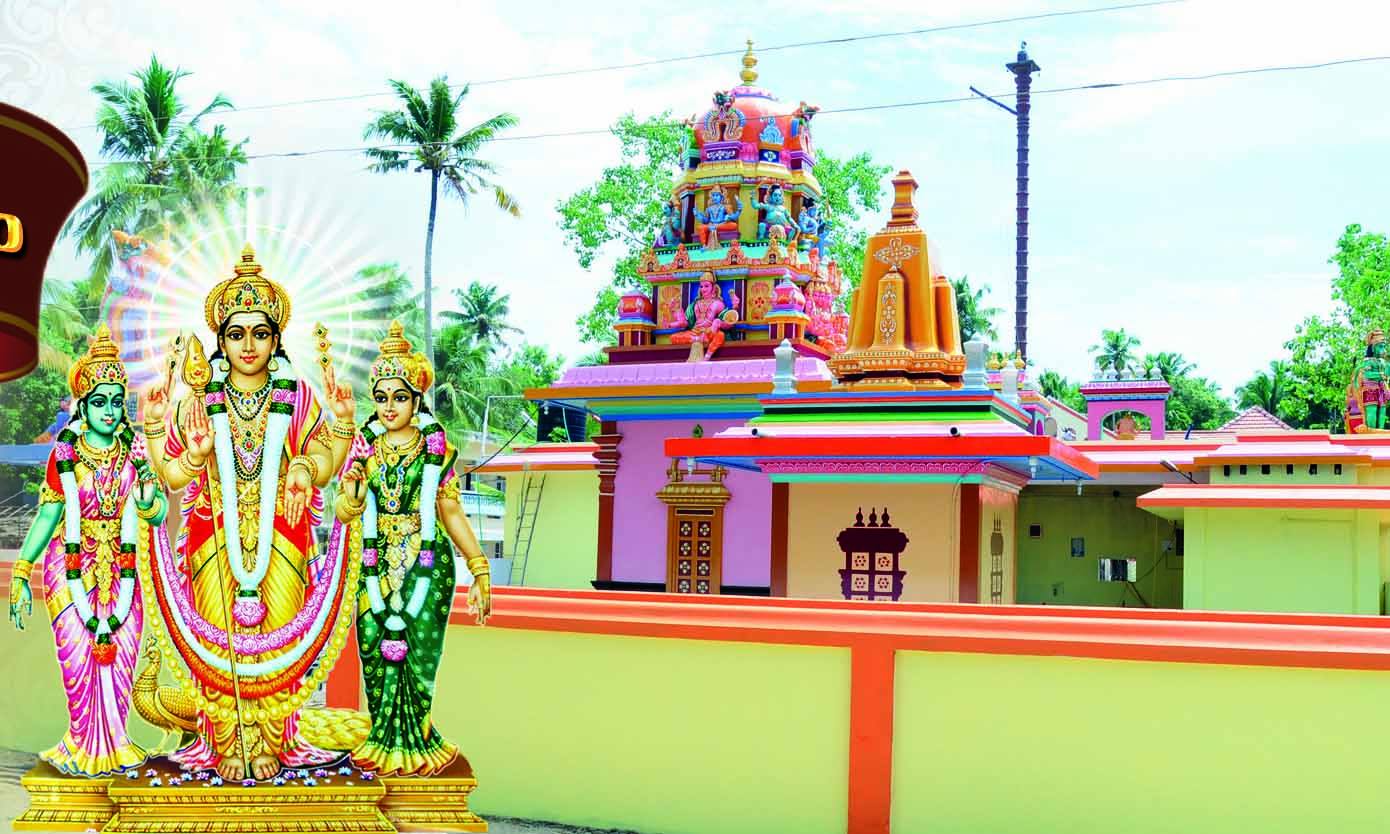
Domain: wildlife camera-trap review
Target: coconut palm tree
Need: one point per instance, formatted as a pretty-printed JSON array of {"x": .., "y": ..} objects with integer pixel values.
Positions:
[
  {"x": 1116, "y": 350},
  {"x": 428, "y": 126},
  {"x": 160, "y": 161},
  {"x": 484, "y": 313},
  {"x": 976, "y": 319},
  {"x": 1171, "y": 366},
  {"x": 1267, "y": 389}
]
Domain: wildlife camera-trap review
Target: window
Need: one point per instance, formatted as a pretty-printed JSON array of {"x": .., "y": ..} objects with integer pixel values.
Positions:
[
  {"x": 1336, "y": 469},
  {"x": 1034, "y": 531},
  {"x": 1242, "y": 469},
  {"x": 1264, "y": 469},
  {"x": 1312, "y": 469},
  {"x": 1226, "y": 470}
]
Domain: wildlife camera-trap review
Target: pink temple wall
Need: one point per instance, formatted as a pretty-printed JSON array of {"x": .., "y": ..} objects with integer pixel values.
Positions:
[{"x": 639, "y": 518}]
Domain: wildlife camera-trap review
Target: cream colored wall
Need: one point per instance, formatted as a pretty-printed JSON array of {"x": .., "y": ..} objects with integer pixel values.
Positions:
[
  {"x": 1002, "y": 505},
  {"x": 928, "y": 514}
]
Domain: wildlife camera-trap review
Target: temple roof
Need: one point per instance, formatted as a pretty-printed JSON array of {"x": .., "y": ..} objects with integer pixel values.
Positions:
[
  {"x": 1255, "y": 418},
  {"x": 728, "y": 387},
  {"x": 546, "y": 457}
]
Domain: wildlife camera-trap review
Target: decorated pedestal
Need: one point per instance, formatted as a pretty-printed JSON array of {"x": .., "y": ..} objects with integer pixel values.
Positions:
[
  {"x": 64, "y": 803},
  {"x": 160, "y": 797}
]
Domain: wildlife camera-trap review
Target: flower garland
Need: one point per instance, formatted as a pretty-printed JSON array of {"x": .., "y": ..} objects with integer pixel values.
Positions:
[
  {"x": 249, "y": 610},
  {"x": 249, "y": 644},
  {"x": 189, "y": 681},
  {"x": 393, "y": 647},
  {"x": 65, "y": 454}
]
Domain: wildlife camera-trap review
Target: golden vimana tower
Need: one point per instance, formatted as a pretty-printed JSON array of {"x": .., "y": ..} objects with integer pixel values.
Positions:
[{"x": 904, "y": 334}]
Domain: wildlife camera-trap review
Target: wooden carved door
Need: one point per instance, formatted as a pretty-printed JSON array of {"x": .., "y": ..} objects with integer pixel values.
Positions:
[
  {"x": 695, "y": 502},
  {"x": 692, "y": 560}
]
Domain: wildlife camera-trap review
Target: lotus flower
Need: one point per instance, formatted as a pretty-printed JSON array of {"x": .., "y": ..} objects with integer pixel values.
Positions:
[{"x": 393, "y": 650}]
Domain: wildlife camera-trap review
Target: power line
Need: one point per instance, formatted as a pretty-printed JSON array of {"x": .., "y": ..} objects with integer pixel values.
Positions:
[
  {"x": 831, "y": 111},
  {"x": 703, "y": 55}
]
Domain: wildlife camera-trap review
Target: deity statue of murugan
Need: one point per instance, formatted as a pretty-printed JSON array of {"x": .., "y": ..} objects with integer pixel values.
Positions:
[
  {"x": 245, "y": 601},
  {"x": 400, "y": 500},
  {"x": 98, "y": 503}
]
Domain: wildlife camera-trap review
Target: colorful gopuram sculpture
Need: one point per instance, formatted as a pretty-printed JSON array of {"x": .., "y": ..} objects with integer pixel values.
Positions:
[
  {"x": 99, "y": 503},
  {"x": 746, "y": 216},
  {"x": 913, "y": 339},
  {"x": 1368, "y": 395},
  {"x": 251, "y": 450},
  {"x": 400, "y": 502}
]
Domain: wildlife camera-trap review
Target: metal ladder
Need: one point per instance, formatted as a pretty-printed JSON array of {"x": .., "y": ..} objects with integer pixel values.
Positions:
[{"x": 528, "y": 509}]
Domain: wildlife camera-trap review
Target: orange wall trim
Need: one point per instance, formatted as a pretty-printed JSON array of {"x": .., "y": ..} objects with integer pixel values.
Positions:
[
  {"x": 871, "y": 738},
  {"x": 1310, "y": 641}
]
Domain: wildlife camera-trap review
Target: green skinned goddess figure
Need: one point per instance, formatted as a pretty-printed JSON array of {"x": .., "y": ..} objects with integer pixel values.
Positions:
[
  {"x": 99, "y": 504},
  {"x": 400, "y": 497}
]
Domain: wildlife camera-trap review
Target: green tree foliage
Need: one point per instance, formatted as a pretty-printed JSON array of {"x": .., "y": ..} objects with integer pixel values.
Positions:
[
  {"x": 1197, "y": 402},
  {"x": 1325, "y": 348},
  {"x": 1170, "y": 366},
  {"x": 621, "y": 212},
  {"x": 849, "y": 187},
  {"x": 162, "y": 165},
  {"x": 976, "y": 318},
  {"x": 1267, "y": 389},
  {"x": 1057, "y": 387},
  {"x": 428, "y": 124}
]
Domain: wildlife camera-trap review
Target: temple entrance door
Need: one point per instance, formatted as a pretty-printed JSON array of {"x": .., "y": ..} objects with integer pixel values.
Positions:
[
  {"x": 692, "y": 563},
  {"x": 694, "y": 529}
]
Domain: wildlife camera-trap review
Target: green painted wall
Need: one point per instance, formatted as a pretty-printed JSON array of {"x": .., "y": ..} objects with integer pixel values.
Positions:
[
  {"x": 1111, "y": 526},
  {"x": 1072, "y": 746},
  {"x": 564, "y": 546},
  {"x": 654, "y": 735},
  {"x": 1283, "y": 560},
  {"x": 34, "y": 709}
]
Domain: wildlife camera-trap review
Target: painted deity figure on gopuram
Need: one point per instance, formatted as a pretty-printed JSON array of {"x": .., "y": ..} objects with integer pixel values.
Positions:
[
  {"x": 746, "y": 214},
  {"x": 399, "y": 504},
  {"x": 98, "y": 504},
  {"x": 704, "y": 318},
  {"x": 245, "y": 602},
  {"x": 1368, "y": 395}
]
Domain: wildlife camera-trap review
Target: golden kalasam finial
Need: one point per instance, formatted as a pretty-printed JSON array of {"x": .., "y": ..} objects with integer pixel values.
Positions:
[{"x": 749, "y": 75}]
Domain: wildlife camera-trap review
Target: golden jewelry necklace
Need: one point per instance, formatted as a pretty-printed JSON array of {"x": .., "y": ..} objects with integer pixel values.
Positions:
[
  {"x": 105, "y": 465},
  {"x": 393, "y": 453}
]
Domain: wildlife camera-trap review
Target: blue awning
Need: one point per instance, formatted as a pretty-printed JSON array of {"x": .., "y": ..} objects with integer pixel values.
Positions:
[{"x": 33, "y": 454}]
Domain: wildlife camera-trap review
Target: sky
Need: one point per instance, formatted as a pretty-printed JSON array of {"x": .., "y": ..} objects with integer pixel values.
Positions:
[{"x": 1198, "y": 216}]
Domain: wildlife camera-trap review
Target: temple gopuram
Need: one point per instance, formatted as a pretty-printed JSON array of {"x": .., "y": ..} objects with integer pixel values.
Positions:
[{"x": 740, "y": 261}]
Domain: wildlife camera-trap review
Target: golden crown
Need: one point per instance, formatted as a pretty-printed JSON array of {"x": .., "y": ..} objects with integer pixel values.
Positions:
[
  {"x": 398, "y": 361},
  {"x": 248, "y": 291},
  {"x": 99, "y": 366},
  {"x": 1375, "y": 336}
]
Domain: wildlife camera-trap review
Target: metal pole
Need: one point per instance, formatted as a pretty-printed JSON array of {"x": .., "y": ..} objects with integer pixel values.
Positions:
[{"x": 1023, "y": 70}]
